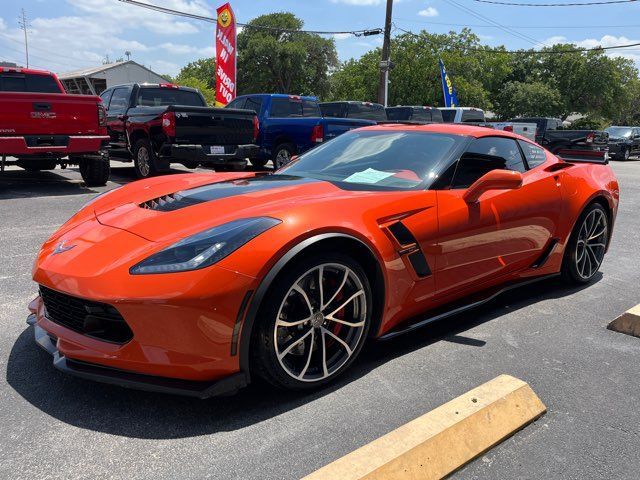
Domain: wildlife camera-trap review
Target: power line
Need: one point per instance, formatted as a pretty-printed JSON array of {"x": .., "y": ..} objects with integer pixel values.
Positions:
[
  {"x": 531, "y": 52},
  {"x": 541, "y": 27},
  {"x": 157, "y": 8},
  {"x": 505, "y": 29},
  {"x": 572, "y": 4}
]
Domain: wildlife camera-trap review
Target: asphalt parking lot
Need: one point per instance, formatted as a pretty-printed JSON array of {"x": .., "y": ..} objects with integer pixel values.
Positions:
[{"x": 551, "y": 336}]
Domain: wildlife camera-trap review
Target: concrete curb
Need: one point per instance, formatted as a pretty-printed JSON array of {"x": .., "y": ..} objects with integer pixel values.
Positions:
[
  {"x": 443, "y": 440},
  {"x": 628, "y": 322}
]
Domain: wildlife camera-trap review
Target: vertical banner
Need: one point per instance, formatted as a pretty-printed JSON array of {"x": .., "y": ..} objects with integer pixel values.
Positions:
[
  {"x": 225, "y": 55},
  {"x": 449, "y": 91}
]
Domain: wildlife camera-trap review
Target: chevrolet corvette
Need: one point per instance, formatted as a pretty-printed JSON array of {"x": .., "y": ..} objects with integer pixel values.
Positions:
[{"x": 197, "y": 283}]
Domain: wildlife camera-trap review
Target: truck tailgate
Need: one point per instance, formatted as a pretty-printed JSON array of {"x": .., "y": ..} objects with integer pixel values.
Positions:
[
  {"x": 213, "y": 126},
  {"x": 48, "y": 114}
]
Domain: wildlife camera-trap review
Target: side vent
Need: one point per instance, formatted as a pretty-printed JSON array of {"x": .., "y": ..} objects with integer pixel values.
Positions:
[{"x": 410, "y": 248}]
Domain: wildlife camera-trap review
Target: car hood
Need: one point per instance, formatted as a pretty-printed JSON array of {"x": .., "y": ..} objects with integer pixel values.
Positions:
[{"x": 174, "y": 209}]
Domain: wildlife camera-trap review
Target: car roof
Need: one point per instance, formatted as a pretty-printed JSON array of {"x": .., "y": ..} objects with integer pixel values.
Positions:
[
  {"x": 27, "y": 71},
  {"x": 450, "y": 128},
  {"x": 279, "y": 95}
]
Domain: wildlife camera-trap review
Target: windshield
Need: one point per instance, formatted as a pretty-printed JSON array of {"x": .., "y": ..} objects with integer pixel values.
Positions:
[
  {"x": 379, "y": 160},
  {"x": 619, "y": 132},
  {"x": 162, "y": 96}
]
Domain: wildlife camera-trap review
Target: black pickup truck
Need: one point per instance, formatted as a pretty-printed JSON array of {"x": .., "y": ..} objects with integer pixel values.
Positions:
[
  {"x": 155, "y": 125},
  {"x": 569, "y": 144}
]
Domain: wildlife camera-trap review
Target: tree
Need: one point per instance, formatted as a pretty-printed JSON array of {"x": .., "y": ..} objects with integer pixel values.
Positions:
[
  {"x": 535, "y": 99},
  {"x": 275, "y": 56},
  {"x": 202, "y": 70}
]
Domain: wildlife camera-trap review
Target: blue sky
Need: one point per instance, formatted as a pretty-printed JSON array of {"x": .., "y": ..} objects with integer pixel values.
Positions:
[{"x": 72, "y": 34}]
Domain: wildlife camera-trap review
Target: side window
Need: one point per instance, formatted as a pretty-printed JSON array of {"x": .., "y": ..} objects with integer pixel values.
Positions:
[
  {"x": 119, "y": 100},
  {"x": 332, "y": 110},
  {"x": 106, "y": 97},
  {"x": 534, "y": 154},
  {"x": 486, "y": 154},
  {"x": 237, "y": 103},
  {"x": 254, "y": 103}
]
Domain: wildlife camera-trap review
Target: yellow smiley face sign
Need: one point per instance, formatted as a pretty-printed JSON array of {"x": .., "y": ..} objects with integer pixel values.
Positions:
[{"x": 224, "y": 19}]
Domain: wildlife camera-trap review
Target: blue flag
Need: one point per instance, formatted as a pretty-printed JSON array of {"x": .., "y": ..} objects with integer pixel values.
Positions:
[{"x": 449, "y": 91}]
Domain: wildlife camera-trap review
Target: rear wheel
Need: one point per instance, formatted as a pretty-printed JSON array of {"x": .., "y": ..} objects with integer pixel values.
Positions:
[
  {"x": 587, "y": 245},
  {"x": 95, "y": 170},
  {"x": 144, "y": 159},
  {"x": 314, "y": 323},
  {"x": 282, "y": 154}
]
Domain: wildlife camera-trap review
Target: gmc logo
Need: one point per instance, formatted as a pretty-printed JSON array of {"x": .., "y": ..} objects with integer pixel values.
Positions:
[{"x": 47, "y": 115}]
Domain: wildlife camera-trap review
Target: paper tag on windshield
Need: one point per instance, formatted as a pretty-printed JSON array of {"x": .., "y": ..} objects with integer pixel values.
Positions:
[{"x": 367, "y": 176}]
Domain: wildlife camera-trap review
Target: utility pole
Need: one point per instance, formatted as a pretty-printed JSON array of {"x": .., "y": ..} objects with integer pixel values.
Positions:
[
  {"x": 24, "y": 25},
  {"x": 385, "y": 63},
  {"x": 128, "y": 54}
]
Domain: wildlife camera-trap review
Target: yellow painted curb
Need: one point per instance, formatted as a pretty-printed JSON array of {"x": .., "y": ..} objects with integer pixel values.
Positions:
[
  {"x": 443, "y": 440},
  {"x": 628, "y": 322}
]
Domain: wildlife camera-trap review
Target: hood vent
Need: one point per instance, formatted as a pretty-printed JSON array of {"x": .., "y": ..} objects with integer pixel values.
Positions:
[{"x": 220, "y": 190}]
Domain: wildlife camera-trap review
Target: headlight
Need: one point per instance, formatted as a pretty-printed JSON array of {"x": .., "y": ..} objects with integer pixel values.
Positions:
[{"x": 205, "y": 248}]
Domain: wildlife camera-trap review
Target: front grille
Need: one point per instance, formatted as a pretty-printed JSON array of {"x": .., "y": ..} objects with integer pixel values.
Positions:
[{"x": 94, "y": 319}]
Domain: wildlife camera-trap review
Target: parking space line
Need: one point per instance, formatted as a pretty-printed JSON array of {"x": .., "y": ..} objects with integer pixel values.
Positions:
[
  {"x": 444, "y": 439},
  {"x": 627, "y": 323}
]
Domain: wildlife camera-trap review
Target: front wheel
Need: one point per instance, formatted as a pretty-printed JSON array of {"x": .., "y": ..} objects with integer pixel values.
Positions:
[
  {"x": 314, "y": 323},
  {"x": 587, "y": 245},
  {"x": 626, "y": 153}
]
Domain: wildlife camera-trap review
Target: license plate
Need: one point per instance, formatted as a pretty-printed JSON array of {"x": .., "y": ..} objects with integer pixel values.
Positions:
[{"x": 216, "y": 149}]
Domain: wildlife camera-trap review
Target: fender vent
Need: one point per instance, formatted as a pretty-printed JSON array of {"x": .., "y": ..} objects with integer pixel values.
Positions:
[{"x": 411, "y": 248}]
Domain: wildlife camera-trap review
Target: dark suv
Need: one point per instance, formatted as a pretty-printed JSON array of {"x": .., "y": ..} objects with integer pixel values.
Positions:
[
  {"x": 623, "y": 142},
  {"x": 415, "y": 114}
]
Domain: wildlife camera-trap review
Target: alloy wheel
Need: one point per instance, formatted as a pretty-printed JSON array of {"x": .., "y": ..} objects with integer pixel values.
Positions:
[
  {"x": 143, "y": 162},
  {"x": 591, "y": 244},
  {"x": 320, "y": 322},
  {"x": 626, "y": 154},
  {"x": 282, "y": 157}
]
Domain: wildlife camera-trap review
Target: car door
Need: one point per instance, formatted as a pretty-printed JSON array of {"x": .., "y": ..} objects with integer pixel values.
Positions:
[
  {"x": 505, "y": 230},
  {"x": 635, "y": 136},
  {"x": 118, "y": 106}
]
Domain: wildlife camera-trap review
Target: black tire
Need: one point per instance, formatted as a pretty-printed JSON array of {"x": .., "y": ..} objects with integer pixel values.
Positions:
[
  {"x": 571, "y": 261},
  {"x": 95, "y": 170},
  {"x": 264, "y": 357},
  {"x": 282, "y": 154},
  {"x": 144, "y": 159},
  {"x": 625, "y": 154},
  {"x": 259, "y": 162}
]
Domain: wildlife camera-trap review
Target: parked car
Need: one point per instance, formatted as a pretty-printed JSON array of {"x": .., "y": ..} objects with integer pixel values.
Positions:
[
  {"x": 155, "y": 125},
  {"x": 42, "y": 126},
  {"x": 569, "y": 144},
  {"x": 290, "y": 125},
  {"x": 527, "y": 130},
  {"x": 353, "y": 109},
  {"x": 198, "y": 284},
  {"x": 462, "y": 115},
  {"x": 623, "y": 142},
  {"x": 414, "y": 113}
]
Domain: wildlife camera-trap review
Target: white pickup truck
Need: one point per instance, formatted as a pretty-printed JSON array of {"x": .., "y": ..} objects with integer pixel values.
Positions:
[
  {"x": 527, "y": 130},
  {"x": 476, "y": 115}
]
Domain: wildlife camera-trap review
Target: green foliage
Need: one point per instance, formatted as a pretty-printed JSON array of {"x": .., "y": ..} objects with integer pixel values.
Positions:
[
  {"x": 203, "y": 70},
  {"x": 535, "y": 99},
  {"x": 275, "y": 60},
  {"x": 589, "y": 123}
]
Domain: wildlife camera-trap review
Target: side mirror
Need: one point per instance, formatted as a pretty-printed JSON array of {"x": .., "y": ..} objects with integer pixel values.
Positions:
[{"x": 493, "y": 180}]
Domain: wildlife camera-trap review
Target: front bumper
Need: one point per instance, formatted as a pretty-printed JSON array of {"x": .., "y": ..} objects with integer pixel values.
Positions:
[
  {"x": 616, "y": 149},
  {"x": 226, "y": 386},
  {"x": 233, "y": 156}
]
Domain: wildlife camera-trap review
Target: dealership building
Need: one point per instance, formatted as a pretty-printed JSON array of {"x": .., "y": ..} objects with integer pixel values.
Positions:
[{"x": 93, "y": 81}]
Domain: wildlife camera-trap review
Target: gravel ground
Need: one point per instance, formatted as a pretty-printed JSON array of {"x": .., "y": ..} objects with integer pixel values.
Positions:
[{"x": 55, "y": 426}]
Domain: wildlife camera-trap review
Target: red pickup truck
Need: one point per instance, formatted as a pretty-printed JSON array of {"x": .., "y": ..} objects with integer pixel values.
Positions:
[{"x": 40, "y": 125}]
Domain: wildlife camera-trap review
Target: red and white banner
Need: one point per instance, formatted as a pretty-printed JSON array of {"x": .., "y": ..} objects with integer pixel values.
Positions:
[{"x": 225, "y": 56}]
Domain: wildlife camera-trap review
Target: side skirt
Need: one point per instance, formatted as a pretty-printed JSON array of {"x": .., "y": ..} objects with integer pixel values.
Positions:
[{"x": 461, "y": 306}]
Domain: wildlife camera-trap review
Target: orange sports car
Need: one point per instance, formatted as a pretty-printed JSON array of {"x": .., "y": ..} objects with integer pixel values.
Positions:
[{"x": 196, "y": 283}]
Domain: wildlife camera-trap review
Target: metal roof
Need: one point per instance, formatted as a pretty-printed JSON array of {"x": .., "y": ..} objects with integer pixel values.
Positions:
[{"x": 88, "y": 72}]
